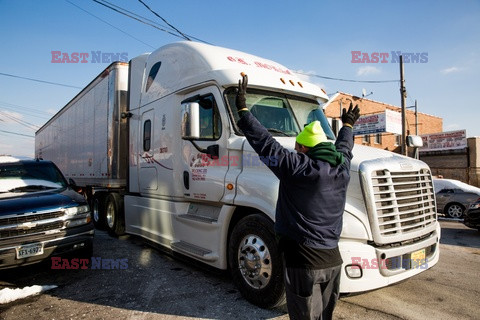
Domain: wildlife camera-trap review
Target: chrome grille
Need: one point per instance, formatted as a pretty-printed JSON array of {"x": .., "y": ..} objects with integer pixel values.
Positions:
[
  {"x": 30, "y": 218},
  {"x": 37, "y": 229},
  {"x": 31, "y": 223},
  {"x": 403, "y": 203}
]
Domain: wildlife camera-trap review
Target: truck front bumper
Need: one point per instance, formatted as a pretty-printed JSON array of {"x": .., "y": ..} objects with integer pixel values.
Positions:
[{"x": 366, "y": 267}]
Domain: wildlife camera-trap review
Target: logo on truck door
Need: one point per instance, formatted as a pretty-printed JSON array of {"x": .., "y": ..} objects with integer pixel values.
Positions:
[{"x": 148, "y": 158}]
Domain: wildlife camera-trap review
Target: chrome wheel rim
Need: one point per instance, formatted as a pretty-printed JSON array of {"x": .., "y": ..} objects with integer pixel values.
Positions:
[
  {"x": 254, "y": 261},
  {"x": 110, "y": 215}
]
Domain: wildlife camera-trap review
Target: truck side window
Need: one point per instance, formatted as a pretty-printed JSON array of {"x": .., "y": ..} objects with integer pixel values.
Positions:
[
  {"x": 210, "y": 124},
  {"x": 152, "y": 74},
  {"x": 147, "y": 134}
]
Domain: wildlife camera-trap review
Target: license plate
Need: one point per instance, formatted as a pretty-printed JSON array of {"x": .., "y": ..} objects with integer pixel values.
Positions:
[
  {"x": 29, "y": 250},
  {"x": 417, "y": 258}
]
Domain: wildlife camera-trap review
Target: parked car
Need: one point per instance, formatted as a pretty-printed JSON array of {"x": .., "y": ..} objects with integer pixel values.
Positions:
[
  {"x": 454, "y": 197},
  {"x": 472, "y": 216},
  {"x": 40, "y": 214}
]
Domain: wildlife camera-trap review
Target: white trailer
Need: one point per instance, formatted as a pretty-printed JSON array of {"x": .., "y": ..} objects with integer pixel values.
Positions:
[{"x": 192, "y": 183}]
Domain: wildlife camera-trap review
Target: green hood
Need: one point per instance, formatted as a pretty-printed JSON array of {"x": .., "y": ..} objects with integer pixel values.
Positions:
[{"x": 326, "y": 151}]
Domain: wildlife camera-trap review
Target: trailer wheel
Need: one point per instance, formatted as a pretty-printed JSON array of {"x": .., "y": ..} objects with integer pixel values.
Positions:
[
  {"x": 115, "y": 216},
  {"x": 255, "y": 262},
  {"x": 98, "y": 211}
]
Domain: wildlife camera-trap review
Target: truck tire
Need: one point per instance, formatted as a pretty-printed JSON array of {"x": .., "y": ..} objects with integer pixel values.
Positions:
[
  {"x": 255, "y": 262},
  {"x": 98, "y": 211},
  {"x": 114, "y": 214}
]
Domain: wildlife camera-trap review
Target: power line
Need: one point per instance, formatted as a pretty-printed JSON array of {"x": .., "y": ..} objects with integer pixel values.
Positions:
[
  {"x": 134, "y": 14},
  {"x": 42, "y": 81},
  {"x": 347, "y": 80},
  {"x": 18, "y": 134},
  {"x": 130, "y": 16},
  {"x": 29, "y": 125},
  {"x": 143, "y": 20},
  {"x": 5, "y": 106},
  {"x": 111, "y": 25},
  {"x": 184, "y": 36}
]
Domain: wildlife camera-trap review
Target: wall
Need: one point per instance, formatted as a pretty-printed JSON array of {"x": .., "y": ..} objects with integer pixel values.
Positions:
[
  {"x": 463, "y": 165},
  {"x": 426, "y": 123}
]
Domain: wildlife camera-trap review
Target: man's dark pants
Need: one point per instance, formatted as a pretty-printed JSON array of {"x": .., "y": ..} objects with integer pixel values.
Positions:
[{"x": 312, "y": 294}]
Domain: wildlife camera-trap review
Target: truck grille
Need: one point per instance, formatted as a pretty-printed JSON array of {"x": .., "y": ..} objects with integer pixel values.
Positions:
[
  {"x": 19, "y": 225},
  {"x": 402, "y": 204}
]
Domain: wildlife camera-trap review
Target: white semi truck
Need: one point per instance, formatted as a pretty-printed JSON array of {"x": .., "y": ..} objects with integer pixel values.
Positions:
[{"x": 155, "y": 147}]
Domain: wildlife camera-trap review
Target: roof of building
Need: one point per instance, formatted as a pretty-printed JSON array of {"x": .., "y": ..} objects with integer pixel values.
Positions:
[{"x": 338, "y": 94}]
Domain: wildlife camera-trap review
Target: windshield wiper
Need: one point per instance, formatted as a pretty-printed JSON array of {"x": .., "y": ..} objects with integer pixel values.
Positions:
[
  {"x": 278, "y": 131},
  {"x": 30, "y": 188}
]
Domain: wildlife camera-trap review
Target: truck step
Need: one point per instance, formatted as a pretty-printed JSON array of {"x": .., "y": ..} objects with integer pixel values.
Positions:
[
  {"x": 196, "y": 217},
  {"x": 191, "y": 249}
]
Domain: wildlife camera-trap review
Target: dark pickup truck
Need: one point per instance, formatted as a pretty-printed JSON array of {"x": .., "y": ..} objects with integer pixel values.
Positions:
[{"x": 40, "y": 214}]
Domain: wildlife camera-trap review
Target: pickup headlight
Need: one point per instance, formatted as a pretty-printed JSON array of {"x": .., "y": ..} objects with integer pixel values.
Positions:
[
  {"x": 77, "y": 210},
  {"x": 77, "y": 216}
]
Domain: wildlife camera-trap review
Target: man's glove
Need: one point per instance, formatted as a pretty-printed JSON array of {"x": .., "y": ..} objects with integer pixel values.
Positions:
[
  {"x": 240, "y": 99},
  {"x": 351, "y": 116}
]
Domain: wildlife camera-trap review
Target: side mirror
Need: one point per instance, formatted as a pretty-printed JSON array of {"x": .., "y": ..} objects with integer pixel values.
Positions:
[
  {"x": 414, "y": 141},
  {"x": 190, "y": 121},
  {"x": 74, "y": 186},
  {"x": 72, "y": 183}
]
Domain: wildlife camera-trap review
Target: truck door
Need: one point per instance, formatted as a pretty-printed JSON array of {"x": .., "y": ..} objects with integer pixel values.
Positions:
[
  {"x": 148, "y": 180},
  {"x": 203, "y": 176}
]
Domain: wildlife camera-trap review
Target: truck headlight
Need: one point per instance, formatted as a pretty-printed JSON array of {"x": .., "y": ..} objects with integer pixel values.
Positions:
[{"x": 77, "y": 210}]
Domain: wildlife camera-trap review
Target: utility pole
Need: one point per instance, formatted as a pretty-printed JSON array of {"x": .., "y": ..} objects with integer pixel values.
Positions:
[
  {"x": 416, "y": 118},
  {"x": 403, "y": 93}
]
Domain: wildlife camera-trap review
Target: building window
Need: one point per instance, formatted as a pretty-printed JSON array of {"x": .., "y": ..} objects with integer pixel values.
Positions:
[
  {"x": 378, "y": 138},
  {"x": 398, "y": 140},
  {"x": 366, "y": 138}
]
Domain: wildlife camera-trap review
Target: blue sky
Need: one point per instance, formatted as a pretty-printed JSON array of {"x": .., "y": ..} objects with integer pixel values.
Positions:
[{"x": 315, "y": 37}]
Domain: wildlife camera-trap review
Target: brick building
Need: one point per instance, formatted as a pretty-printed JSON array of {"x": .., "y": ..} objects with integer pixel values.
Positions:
[{"x": 388, "y": 141}]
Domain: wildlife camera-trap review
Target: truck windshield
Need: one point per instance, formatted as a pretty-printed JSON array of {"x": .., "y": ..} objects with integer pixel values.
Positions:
[
  {"x": 30, "y": 176},
  {"x": 282, "y": 115}
]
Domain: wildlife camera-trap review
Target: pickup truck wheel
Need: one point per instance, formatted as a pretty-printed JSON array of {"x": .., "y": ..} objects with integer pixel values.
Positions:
[
  {"x": 255, "y": 262},
  {"x": 454, "y": 210},
  {"x": 114, "y": 214},
  {"x": 98, "y": 211}
]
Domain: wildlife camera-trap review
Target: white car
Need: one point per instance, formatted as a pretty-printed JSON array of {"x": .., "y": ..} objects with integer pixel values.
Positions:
[{"x": 453, "y": 196}]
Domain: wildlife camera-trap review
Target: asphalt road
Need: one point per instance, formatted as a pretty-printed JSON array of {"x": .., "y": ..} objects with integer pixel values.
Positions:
[{"x": 150, "y": 284}]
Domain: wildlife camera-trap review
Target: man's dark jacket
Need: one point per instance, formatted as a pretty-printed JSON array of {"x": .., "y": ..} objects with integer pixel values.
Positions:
[{"x": 312, "y": 193}]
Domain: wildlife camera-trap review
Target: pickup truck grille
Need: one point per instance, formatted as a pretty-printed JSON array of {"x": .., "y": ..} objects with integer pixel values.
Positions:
[
  {"x": 401, "y": 204},
  {"x": 30, "y": 218},
  {"x": 404, "y": 201},
  {"x": 14, "y": 226}
]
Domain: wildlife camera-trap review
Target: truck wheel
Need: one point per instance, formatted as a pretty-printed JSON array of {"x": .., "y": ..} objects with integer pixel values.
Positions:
[
  {"x": 255, "y": 262},
  {"x": 454, "y": 210},
  {"x": 115, "y": 216},
  {"x": 98, "y": 211}
]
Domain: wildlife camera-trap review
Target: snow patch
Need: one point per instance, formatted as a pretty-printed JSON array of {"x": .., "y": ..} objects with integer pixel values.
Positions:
[{"x": 8, "y": 295}]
